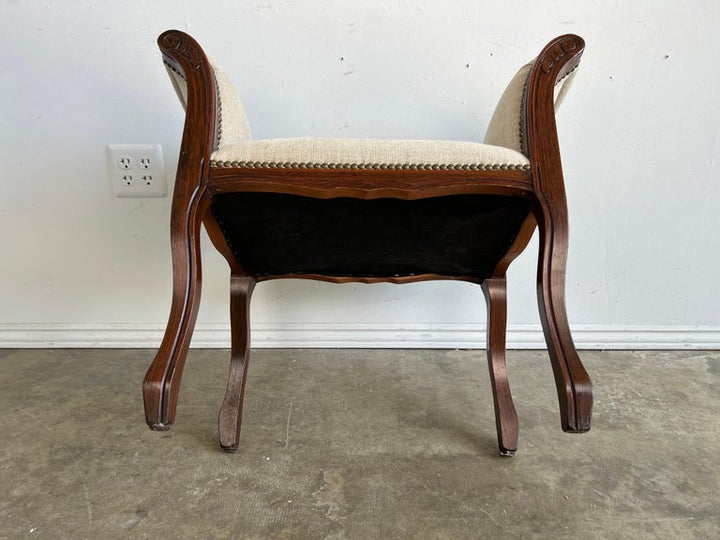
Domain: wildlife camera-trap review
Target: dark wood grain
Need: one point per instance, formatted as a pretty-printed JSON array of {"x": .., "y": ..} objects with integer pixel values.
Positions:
[
  {"x": 220, "y": 242},
  {"x": 557, "y": 59},
  {"x": 506, "y": 419},
  {"x": 362, "y": 279},
  {"x": 230, "y": 416},
  {"x": 370, "y": 183},
  {"x": 518, "y": 246},
  {"x": 190, "y": 203},
  {"x": 541, "y": 184}
]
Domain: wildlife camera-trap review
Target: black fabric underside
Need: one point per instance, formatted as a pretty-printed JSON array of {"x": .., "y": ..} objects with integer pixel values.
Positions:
[{"x": 455, "y": 235}]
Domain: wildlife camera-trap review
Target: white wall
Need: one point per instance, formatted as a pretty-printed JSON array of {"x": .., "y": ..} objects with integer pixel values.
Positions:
[{"x": 640, "y": 132}]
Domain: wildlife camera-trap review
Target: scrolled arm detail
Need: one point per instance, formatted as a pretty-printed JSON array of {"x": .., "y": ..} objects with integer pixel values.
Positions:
[
  {"x": 185, "y": 58},
  {"x": 556, "y": 61},
  {"x": 174, "y": 43},
  {"x": 564, "y": 46}
]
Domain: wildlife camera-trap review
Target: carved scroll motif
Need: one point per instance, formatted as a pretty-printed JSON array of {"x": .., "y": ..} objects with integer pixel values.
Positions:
[
  {"x": 174, "y": 42},
  {"x": 548, "y": 60}
]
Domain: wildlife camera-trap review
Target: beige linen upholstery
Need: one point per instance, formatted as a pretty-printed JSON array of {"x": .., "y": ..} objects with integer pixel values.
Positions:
[
  {"x": 232, "y": 123},
  {"x": 179, "y": 84},
  {"x": 232, "y": 126},
  {"x": 505, "y": 125},
  {"x": 237, "y": 149},
  {"x": 366, "y": 154},
  {"x": 502, "y": 149}
]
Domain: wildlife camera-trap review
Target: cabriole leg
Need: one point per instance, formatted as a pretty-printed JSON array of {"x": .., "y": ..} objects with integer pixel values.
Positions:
[
  {"x": 162, "y": 380},
  {"x": 230, "y": 417},
  {"x": 506, "y": 419},
  {"x": 572, "y": 381}
]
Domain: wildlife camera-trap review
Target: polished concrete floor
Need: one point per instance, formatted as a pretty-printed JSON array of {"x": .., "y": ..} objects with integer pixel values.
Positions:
[{"x": 358, "y": 444}]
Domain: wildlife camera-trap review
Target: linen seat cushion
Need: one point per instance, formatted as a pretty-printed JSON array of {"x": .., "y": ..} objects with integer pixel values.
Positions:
[
  {"x": 366, "y": 154},
  {"x": 502, "y": 149}
]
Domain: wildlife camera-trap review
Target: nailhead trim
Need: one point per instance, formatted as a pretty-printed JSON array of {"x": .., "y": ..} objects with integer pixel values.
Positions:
[
  {"x": 172, "y": 68},
  {"x": 521, "y": 122},
  {"x": 370, "y": 166},
  {"x": 573, "y": 70},
  {"x": 218, "y": 111},
  {"x": 365, "y": 166}
]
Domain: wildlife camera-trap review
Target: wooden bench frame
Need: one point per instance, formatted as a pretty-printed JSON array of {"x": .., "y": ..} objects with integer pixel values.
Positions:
[{"x": 197, "y": 182}]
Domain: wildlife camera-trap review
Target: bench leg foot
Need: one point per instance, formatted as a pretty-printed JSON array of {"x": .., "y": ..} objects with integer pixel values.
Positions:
[
  {"x": 162, "y": 380},
  {"x": 230, "y": 416},
  {"x": 506, "y": 419},
  {"x": 573, "y": 384}
]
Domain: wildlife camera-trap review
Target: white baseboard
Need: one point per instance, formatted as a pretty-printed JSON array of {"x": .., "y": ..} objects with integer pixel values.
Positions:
[{"x": 410, "y": 336}]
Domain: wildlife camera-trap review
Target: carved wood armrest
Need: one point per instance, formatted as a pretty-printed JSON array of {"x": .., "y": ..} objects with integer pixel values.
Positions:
[
  {"x": 557, "y": 61},
  {"x": 184, "y": 56}
]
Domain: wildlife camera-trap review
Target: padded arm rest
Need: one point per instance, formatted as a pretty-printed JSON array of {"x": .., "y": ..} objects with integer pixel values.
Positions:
[
  {"x": 529, "y": 100},
  {"x": 231, "y": 126},
  {"x": 506, "y": 125}
]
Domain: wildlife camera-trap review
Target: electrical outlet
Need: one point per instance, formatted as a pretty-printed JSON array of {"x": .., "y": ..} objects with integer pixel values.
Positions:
[{"x": 137, "y": 170}]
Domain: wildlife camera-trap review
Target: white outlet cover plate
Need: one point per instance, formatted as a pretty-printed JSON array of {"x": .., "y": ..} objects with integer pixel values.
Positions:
[{"x": 142, "y": 176}]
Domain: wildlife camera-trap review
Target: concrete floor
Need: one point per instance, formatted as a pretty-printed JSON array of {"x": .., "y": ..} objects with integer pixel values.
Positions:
[{"x": 358, "y": 444}]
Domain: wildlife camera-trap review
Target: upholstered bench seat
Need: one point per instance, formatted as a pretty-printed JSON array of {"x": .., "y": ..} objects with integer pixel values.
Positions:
[
  {"x": 369, "y": 210},
  {"x": 235, "y": 146},
  {"x": 368, "y": 154}
]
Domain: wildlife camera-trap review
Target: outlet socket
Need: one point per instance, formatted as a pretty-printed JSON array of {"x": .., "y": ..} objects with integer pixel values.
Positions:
[{"x": 137, "y": 170}]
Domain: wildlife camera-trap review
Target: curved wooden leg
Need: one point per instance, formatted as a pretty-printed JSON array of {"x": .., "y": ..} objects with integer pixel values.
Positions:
[
  {"x": 506, "y": 419},
  {"x": 572, "y": 381},
  {"x": 162, "y": 380},
  {"x": 230, "y": 416}
]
